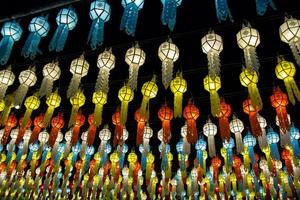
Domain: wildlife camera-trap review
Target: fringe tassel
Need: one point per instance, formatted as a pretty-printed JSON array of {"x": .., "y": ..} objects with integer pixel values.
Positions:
[
  {"x": 96, "y": 34},
  {"x": 214, "y": 103},
  {"x": 169, "y": 13},
  {"x": 31, "y": 46},
  {"x": 223, "y": 11},
  {"x": 239, "y": 142},
  {"x": 20, "y": 95},
  {"x": 73, "y": 86},
  {"x": 224, "y": 128},
  {"x": 192, "y": 135},
  {"x": 46, "y": 87},
  {"x": 26, "y": 117},
  {"x": 144, "y": 105},
  {"x": 59, "y": 39},
  {"x": 102, "y": 81},
  {"x": 167, "y": 73},
  {"x": 123, "y": 112},
  {"x": 34, "y": 135},
  {"x": 255, "y": 96},
  {"x": 166, "y": 131},
  {"x": 140, "y": 132},
  {"x": 283, "y": 119},
  {"x": 48, "y": 116},
  {"x": 98, "y": 114},
  {"x": 73, "y": 116},
  {"x": 211, "y": 146},
  {"x": 262, "y": 5},
  {"x": 133, "y": 75},
  {"x": 6, "y": 46},
  {"x": 91, "y": 135},
  {"x": 254, "y": 124},
  {"x": 178, "y": 96},
  {"x": 53, "y": 136},
  {"x": 129, "y": 19}
]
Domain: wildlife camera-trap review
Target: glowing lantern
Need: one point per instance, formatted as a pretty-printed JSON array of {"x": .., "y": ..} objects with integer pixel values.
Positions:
[
  {"x": 132, "y": 158},
  {"x": 11, "y": 32},
  {"x": 168, "y": 16},
  {"x": 191, "y": 113},
  {"x": 66, "y": 20},
  {"x": 165, "y": 114},
  {"x": 43, "y": 138},
  {"x": 212, "y": 85},
  {"x": 252, "y": 112},
  {"x": 262, "y": 139},
  {"x": 80, "y": 119},
  {"x": 223, "y": 11},
  {"x": 38, "y": 125},
  {"x": 295, "y": 135},
  {"x": 53, "y": 101},
  {"x": 210, "y": 130},
  {"x": 92, "y": 130},
  {"x": 57, "y": 123},
  {"x": 168, "y": 53},
  {"x": 249, "y": 142},
  {"x": 38, "y": 28},
  {"x": 51, "y": 73},
  {"x": 216, "y": 164},
  {"x": 286, "y": 71},
  {"x": 23, "y": 129},
  {"x": 99, "y": 13},
  {"x": 178, "y": 86},
  {"x": 10, "y": 123},
  {"x": 225, "y": 112},
  {"x": 273, "y": 139},
  {"x": 125, "y": 95},
  {"x": 236, "y": 126},
  {"x": 147, "y": 135},
  {"x": 134, "y": 57},
  {"x": 99, "y": 99},
  {"x": 77, "y": 101},
  {"x": 261, "y": 6},
  {"x": 118, "y": 134},
  {"x": 149, "y": 91},
  {"x": 7, "y": 78},
  {"x": 31, "y": 103},
  {"x": 114, "y": 158},
  {"x": 140, "y": 126},
  {"x": 104, "y": 136},
  {"x": 201, "y": 148}
]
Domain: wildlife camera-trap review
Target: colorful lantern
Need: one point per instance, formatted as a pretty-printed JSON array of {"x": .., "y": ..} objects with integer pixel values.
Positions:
[
  {"x": 201, "y": 148},
  {"x": 273, "y": 139},
  {"x": 252, "y": 112},
  {"x": 79, "y": 121},
  {"x": 99, "y": 99},
  {"x": 147, "y": 135},
  {"x": 125, "y": 95},
  {"x": 222, "y": 10},
  {"x": 118, "y": 134},
  {"x": 77, "y": 101},
  {"x": 191, "y": 113},
  {"x": 92, "y": 130},
  {"x": 57, "y": 123},
  {"x": 262, "y": 5},
  {"x": 149, "y": 91},
  {"x": 53, "y": 101},
  {"x": 51, "y": 73},
  {"x": 169, "y": 12},
  {"x": 212, "y": 85},
  {"x": 38, "y": 28},
  {"x": 225, "y": 112},
  {"x": 31, "y": 103},
  {"x": 140, "y": 126},
  {"x": 104, "y": 136},
  {"x": 10, "y": 123},
  {"x": 66, "y": 20},
  {"x": 168, "y": 53},
  {"x": 236, "y": 126},
  {"x": 249, "y": 142},
  {"x": 38, "y": 126},
  {"x": 295, "y": 135},
  {"x": 7, "y": 78},
  {"x": 99, "y": 14},
  {"x": 178, "y": 86},
  {"x": 165, "y": 114},
  {"x": 210, "y": 130}
]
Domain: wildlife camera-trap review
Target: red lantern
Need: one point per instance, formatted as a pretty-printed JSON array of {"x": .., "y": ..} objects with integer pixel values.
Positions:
[
  {"x": 92, "y": 130},
  {"x": 79, "y": 121},
  {"x": 236, "y": 163},
  {"x": 216, "y": 164},
  {"x": 10, "y": 123},
  {"x": 249, "y": 109},
  {"x": 38, "y": 125},
  {"x": 286, "y": 156},
  {"x": 165, "y": 114},
  {"x": 140, "y": 126},
  {"x": 225, "y": 112},
  {"x": 22, "y": 130},
  {"x": 279, "y": 101},
  {"x": 118, "y": 135},
  {"x": 191, "y": 113},
  {"x": 57, "y": 123}
]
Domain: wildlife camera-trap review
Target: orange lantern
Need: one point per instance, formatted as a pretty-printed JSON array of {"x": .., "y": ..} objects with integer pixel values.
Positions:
[
  {"x": 216, "y": 164},
  {"x": 236, "y": 163},
  {"x": 57, "y": 123},
  {"x": 11, "y": 122},
  {"x": 249, "y": 109},
  {"x": 286, "y": 156},
  {"x": 140, "y": 126},
  {"x": 80, "y": 118},
  {"x": 225, "y": 112},
  {"x": 165, "y": 114},
  {"x": 279, "y": 101},
  {"x": 22, "y": 129},
  {"x": 38, "y": 125},
  {"x": 191, "y": 113},
  {"x": 92, "y": 130},
  {"x": 118, "y": 135}
]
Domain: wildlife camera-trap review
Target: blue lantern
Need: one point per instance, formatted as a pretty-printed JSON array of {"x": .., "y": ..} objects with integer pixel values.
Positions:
[
  {"x": 164, "y": 162},
  {"x": 130, "y": 15},
  {"x": 143, "y": 159},
  {"x": 99, "y": 13},
  {"x": 295, "y": 135},
  {"x": 273, "y": 139},
  {"x": 11, "y": 32},
  {"x": 66, "y": 21},
  {"x": 262, "y": 5},
  {"x": 107, "y": 150},
  {"x": 75, "y": 149},
  {"x": 200, "y": 147},
  {"x": 168, "y": 16},
  {"x": 88, "y": 155},
  {"x": 222, "y": 10},
  {"x": 228, "y": 145},
  {"x": 32, "y": 148},
  {"x": 38, "y": 27},
  {"x": 123, "y": 151},
  {"x": 249, "y": 142}
]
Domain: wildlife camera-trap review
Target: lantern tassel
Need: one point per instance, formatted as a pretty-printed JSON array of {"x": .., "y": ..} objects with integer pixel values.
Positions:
[
  {"x": 53, "y": 136},
  {"x": 102, "y": 81},
  {"x": 34, "y": 135},
  {"x": 262, "y": 140},
  {"x": 75, "y": 135},
  {"x": 140, "y": 132},
  {"x": 31, "y": 46},
  {"x": 255, "y": 96},
  {"x": 178, "y": 96},
  {"x": 239, "y": 142},
  {"x": 46, "y": 87},
  {"x": 167, "y": 73},
  {"x": 292, "y": 89},
  {"x": 73, "y": 116},
  {"x": 251, "y": 59},
  {"x": 5, "y": 113},
  {"x": 3, "y": 89},
  {"x": 26, "y": 117},
  {"x": 48, "y": 115},
  {"x": 133, "y": 75},
  {"x": 214, "y": 64},
  {"x": 284, "y": 138},
  {"x": 275, "y": 152},
  {"x": 91, "y": 135},
  {"x": 223, "y": 11},
  {"x": 296, "y": 148},
  {"x": 254, "y": 124},
  {"x": 262, "y": 5},
  {"x": 129, "y": 18},
  {"x": 251, "y": 155},
  {"x": 59, "y": 39},
  {"x": 20, "y": 134},
  {"x": 123, "y": 112},
  {"x": 283, "y": 120},
  {"x": 211, "y": 146},
  {"x": 98, "y": 114},
  {"x": 20, "y": 95},
  {"x": 224, "y": 128},
  {"x": 214, "y": 103},
  {"x": 168, "y": 16},
  {"x": 295, "y": 47},
  {"x": 192, "y": 135},
  {"x": 166, "y": 131},
  {"x": 73, "y": 86},
  {"x": 96, "y": 34},
  {"x": 6, "y": 46}
]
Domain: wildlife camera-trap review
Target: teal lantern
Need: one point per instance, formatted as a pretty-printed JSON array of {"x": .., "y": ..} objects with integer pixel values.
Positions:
[{"x": 168, "y": 16}]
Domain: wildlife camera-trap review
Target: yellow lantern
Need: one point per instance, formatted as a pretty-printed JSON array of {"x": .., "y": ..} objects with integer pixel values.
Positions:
[
  {"x": 150, "y": 160},
  {"x": 149, "y": 91},
  {"x": 125, "y": 95},
  {"x": 31, "y": 103},
  {"x": 99, "y": 99},
  {"x": 77, "y": 101},
  {"x": 249, "y": 80},
  {"x": 212, "y": 86},
  {"x": 286, "y": 71},
  {"x": 114, "y": 159},
  {"x": 9, "y": 103},
  {"x": 132, "y": 158},
  {"x": 53, "y": 101},
  {"x": 178, "y": 87}
]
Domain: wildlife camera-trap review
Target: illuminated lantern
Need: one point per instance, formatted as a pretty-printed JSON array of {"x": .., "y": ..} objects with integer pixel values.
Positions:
[
  {"x": 216, "y": 164},
  {"x": 118, "y": 134},
  {"x": 249, "y": 80},
  {"x": 212, "y": 85},
  {"x": 132, "y": 159},
  {"x": 66, "y": 20},
  {"x": 169, "y": 12},
  {"x": 286, "y": 156},
  {"x": 27, "y": 78},
  {"x": 53, "y": 101},
  {"x": 201, "y": 148},
  {"x": 114, "y": 159},
  {"x": 104, "y": 136},
  {"x": 248, "y": 39},
  {"x": 11, "y": 122},
  {"x": 249, "y": 142},
  {"x": 38, "y": 126},
  {"x": 38, "y": 28},
  {"x": 92, "y": 130},
  {"x": 262, "y": 5},
  {"x": 262, "y": 139},
  {"x": 79, "y": 121},
  {"x": 99, "y": 99},
  {"x": 165, "y": 114},
  {"x": 140, "y": 126},
  {"x": 273, "y": 139},
  {"x": 43, "y": 139},
  {"x": 178, "y": 86},
  {"x": 295, "y": 135},
  {"x": 23, "y": 129},
  {"x": 79, "y": 68},
  {"x": 149, "y": 91},
  {"x": 225, "y": 112},
  {"x": 57, "y": 123},
  {"x": 147, "y": 135},
  {"x": 229, "y": 145},
  {"x": 168, "y": 53},
  {"x": 222, "y": 10},
  {"x": 7, "y": 78},
  {"x": 134, "y": 57},
  {"x": 236, "y": 126},
  {"x": 286, "y": 71},
  {"x": 99, "y": 13},
  {"x": 289, "y": 33},
  {"x": 252, "y": 112},
  {"x": 77, "y": 101},
  {"x": 11, "y": 32},
  {"x": 31, "y": 103},
  {"x": 210, "y": 130},
  {"x": 125, "y": 95},
  {"x": 191, "y": 113},
  {"x": 51, "y": 73}
]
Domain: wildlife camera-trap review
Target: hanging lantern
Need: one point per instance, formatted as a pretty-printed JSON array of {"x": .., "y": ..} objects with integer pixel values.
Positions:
[
  {"x": 169, "y": 12},
  {"x": 53, "y": 101},
  {"x": 57, "y": 123},
  {"x": 23, "y": 129},
  {"x": 216, "y": 164},
  {"x": 79, "y": 121},
  {"x": 130, "y": 15},
  {"x": 252, "y": 112},
  {"x": 104, "y": 136},
  {"x": 223, "y": 11},
  {"x": 10, "y": 123},
  {"x": 125, "y": 95},
  {"x": 51, "y": 73},
  {"x": 118, "y": 134},
  {"x": 31, "y": 103},
  {"x": 248, "y": 39},
  {"x": 249, "y": 80},
  {"x": 191, "y": 113},
  {"x": 262, "y": 139},
  {"x": 43, "y": 139},
  {"x": 11, "y": 32},
  {"x": 38, "y": 126},
  {"x": 286, "y": 71},
  {"x": 210, "y": 130},
  {"x": 9, "y": 103},
  {"x": 178, "y": 86},
  {"x": 27, "y": 78},
  {"x": 273, "y": 139},
  {"x": 38, "y": 28},
  {"x": 149, "y": 91},
  {"x": 212, "y": 85},
  {"x": 135, "y": 57},
  {"x": 147, "y": 135},
  {"x": 289, "y": 33},
  {"x": 201, "y": 148},
  {"x": 295, "y": 135},
  {"x": 168, "y": 53},
  {"x": 77, "y": 101},
  {"x": 92, "y": 130},
  {"x": 7, "y": 78},
  {"x": 225, "y": 112},
  {"x": 262, "y": 5},
  {"x": 99, "y": 99},
  {"x": 249, "y": 142},
  {"x": 165, "y": 114},
  {"x": 66, "y": 21},
  {"x": 140, "y": 126},
  {"x": 99, "y": 14}
]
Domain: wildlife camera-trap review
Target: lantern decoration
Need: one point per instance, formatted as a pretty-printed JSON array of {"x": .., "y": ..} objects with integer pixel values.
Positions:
[
  {"x": 92, "y": 130},
  {"x": 147, "y": 135},
  {"x": 262, "y": 139},
  {"x": 210, "y": 130},
  {"x": 99, "y": 99},
  {"x": 51, "y": 73},
  {"x": 216, "y": 164},
  {"x": 9, "y": 103},
  {"x": 140, "y": 126},
  {"x": 38, "y": 28},
  {"x": 130, "y": 15},
  {"x": 262, "y": 5},
  {"x": 229, "y": 145},
  {"x": 104, "y": 136},
  {"x": 23, "y": 129},
  {"x": 27, "y": 78},
  {"x": 125, "y": 95},
  {"x": 149, "y": 91},
  {"x": 212, "y": 85},
  {"x": 99, "y": 14},
  {"x": 57, "y": 123},
  {"x": 134, "y": 57},
  {"x": 249, "y": 80},
  {"x": 77, "y": 101},
  {"x": 79, "y": 121},
  {"x": 66, "y": 21},
  {"x": 118, "y": 133},
  {"x": 31, "y": 103},
  {"x": 295, "y": 135},
  {"x": 289, "y": 33},
  {"x": 201, "y": 148},
  {"x": 10, "y": 123},
  {"x": 186, "y": 144},
  {"x": 11, "y": 32},
  {"x": 250, "y": 142},
  {"x": 168, "y": 53},
  {"x": 7, "y": 78},
  {"x": 223, "y": 11},
  {"x": 53, "y": 101},
  {"x": 165, "y": 114},
  {"x": 286, "y": 71},
  {"x": 248, "y": 39},
  {"x": 273, "y": 139},
  {"x": 225, "y": 112},
  {"x": 252, "y": 112},
  {"x": 43, "y": 139},
  {"x": 236, "y": 126},
  {"x": 38, "y": 126},
  {"x": 191, "y": 113},
  {"x": 169, "y": 12},
  {"x": 178, "y": 86}
]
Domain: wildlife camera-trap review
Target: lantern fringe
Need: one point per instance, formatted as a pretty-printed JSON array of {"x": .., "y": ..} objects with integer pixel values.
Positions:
[
  {"x": 59, "y": 39},
  {"x": 214, "y": 103},
  {"x": 73, "y": 86},
  {"x": 167, "y": 73},
  {"x": 284, "y": 138},
  {"x": 20, "y": 134},
  {"x": 283, "y": 119},
  {"x": 31, "y": 46},
  {"x": 96, "y": 34},
  {"x": 140, "y": 132},
  {"x": 262, "y": 5},
  {"x": 214, "y": 64},
  {"x": 91, "y": 135},
  {"x": 275, "y": 152},
  {"x": 251, "y": 155},
  {"x": 187, "y": 146},
  {"x": 223, "y": 11},
  {"x": 133, "y": 75},
  {"x": 26, "y": 117},
  {"x": 20, "y": 95},
  {"x": 98, "y": 114},
  {"x": 144, "y": 105},
  {"x": 224, "y": 128},
  {"x": 75, "y": 135},
  {"x": 178, "y": 96},
  {"x": 239, "y": 142},
  {"x": 34, "y": 135},
  {"x": 73, "y": 116},
  {"x": 102, "y": 81},
  {"x": 46, "y": 87},
  {"x": 169, "y": 12},
  {"x": 129, "y": 18},
  {"x": 192, "y": 135},
  {"x": 255, "y": 96},
  {"x": 292, "y": 89},
  {"x": 3, "y": 89},
  {"x": 295, "y": 47},
  {"x": 262, "y": 140},
  {"x": 211, "y": 146},
  {"x": 9, "y": 103},
  {"x": 53, "y": 136},
  {"x": 48, "y": 116},
  {"x": 6, "y": 46},
  {"x": 251, "y": 59},
  {"x": 255, "y": 126},
  {"x": 166, "y": 131},
  {"x": 123, "y": 112},
  {"x": 296, "y": 148}
]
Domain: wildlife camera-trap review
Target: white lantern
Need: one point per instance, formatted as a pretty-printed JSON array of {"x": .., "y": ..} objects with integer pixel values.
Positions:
[
  {"x": 186, "y": 144},
  {"x": 26, "y": 138},
  {"x": 262, "y": 139},
  {"x": 51, "y": 73},
  {"x": 43, "y": 138},
  {"x": 210, "y": 130},
  {"x": 7, "y": 78},
  {"x": 148, "y": 133},
  {"x": 104, "y": 136},
  {"x": 236, "y": 126},
  {"x": 285, "y": 138}
]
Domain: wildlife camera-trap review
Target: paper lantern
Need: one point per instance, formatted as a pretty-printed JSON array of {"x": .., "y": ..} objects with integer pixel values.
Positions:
[
  {"x": 249, "y": 142},
  {"x": 223, "y": 11},
  {"x": 140, "y": 126},
  {"x": 178, "y": 86},
  {"x": 191, "y": 113},
  {"x": 31, "y": 103},
  {"x": 236, "y": 126},
  {"x": 225, "y": 112},
  {"x": 252, "y": 112},
  {"x": 43, "y": 139},
  {"x": 295, "y": 135},
  {"x": 210, "y": 130},
  {"x": 51, "y": 73},
  {"x": 262, "y": 139},
  {"x": 273, "y": 139},
  {"x": 165, "y": 114},
  {"x": 216, "y": 164},
  {"x": 92, "y": 130},
  {"x": 99, "y": 99},
  {"x": 38, "y": 126},
  {"x": 99, "y": 14},
  {"x": 77, "y": 101},
  {"x": 130, "y": 15},
  {"x": 7, "y": 78},
  {"x": 57, "y": 123},
  {"x": 104, "y": 136},
  {"x": 169, "y": 12},
  {"x": 147, "y": 135},
  {"x": 38, "y": 28},
  {"x": 79, "y": 121},
  {"x": 201, "y": 148},
  {"x": 66, "y": 21},
  {"x": 53, "y": 101},
  {"x": 11, "y": 32},
  {"x": 262, "y": 5},
  {"x": 10, "y": 123},
  {"x": 212, "y": 85},
  {"x": 118, "y": 134},
  {"x": 168, "y": 53},
  {"x": 149, "y": 91},
  {"x": 125, "y": 95}
]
